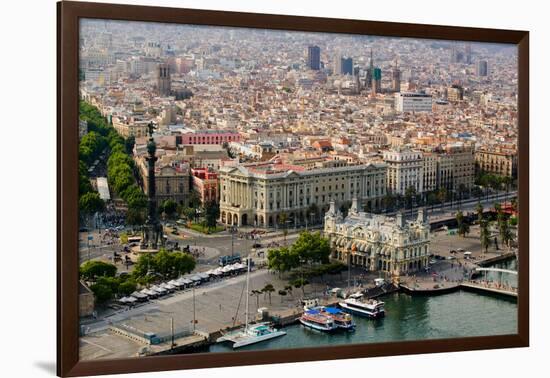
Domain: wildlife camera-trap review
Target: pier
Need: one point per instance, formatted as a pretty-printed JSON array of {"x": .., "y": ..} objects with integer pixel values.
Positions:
[
  {"x": 485, "y": 288},
  {"x": 496, "y": 259}
]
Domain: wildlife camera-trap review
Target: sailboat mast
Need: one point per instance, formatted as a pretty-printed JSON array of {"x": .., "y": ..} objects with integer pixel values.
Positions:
[{"x": 247, "y": 292}]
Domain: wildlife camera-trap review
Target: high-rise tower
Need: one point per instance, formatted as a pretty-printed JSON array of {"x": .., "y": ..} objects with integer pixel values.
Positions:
[
  {"x": 468, "y": 52},
  {"x": 314, "y": 57},
  {"x": 347, "y": 65},
  {"x": 376, "y": 81},
  {"x": 163, "y": 80},
  {"x": 482, "y": 68},
  {"x": 396, "y": 78},
  {"x": 369, "y": 71}
]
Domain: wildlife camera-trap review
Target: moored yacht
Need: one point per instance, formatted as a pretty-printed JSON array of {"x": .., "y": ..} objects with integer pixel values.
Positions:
[
  {"x": 250, "y": 333},
  {"x": 253, "y": 333},
  {"x": 355, "y": 304}
]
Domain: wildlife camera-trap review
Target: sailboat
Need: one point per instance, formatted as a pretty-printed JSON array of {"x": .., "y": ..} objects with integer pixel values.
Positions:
[{"x": 250, "y": 333}]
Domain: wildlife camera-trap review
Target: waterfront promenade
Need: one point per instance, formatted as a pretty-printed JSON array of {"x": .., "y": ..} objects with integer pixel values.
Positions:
[{"x": 220, "y": 305}]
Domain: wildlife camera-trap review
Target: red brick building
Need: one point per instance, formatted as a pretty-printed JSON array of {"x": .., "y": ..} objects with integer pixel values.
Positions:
[{"x": 205, "y": 183}]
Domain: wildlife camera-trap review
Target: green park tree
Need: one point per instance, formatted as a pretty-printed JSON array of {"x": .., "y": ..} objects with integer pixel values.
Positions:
[
  {"x": 102, "y": 293},
  {"x": 211, "y": 213},
  {"x": 311, "y": 247},
  {"x": 164, "y": 263},
  {"x": 93, "y": 269},
  {"x": 129, "y": 144},
  {"x": 283, "y": 218},
  {"x": 169, "y": 207},
  {"x": 90, "y": 203},
  {"x": 127, "y": 287},
  {"x": 282, "y": 260}
]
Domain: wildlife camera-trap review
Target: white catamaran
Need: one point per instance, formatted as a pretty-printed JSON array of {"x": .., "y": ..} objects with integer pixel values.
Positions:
[{"x": 250, "y": 333}]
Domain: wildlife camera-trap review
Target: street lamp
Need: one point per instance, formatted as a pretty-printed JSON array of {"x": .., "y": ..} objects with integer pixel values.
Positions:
[{"x": 233, "y": 229}]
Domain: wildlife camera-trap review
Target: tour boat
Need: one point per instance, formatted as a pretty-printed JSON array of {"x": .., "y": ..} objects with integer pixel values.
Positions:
[
  {"x": 250, "y": 333},
  {"x": 314, "y": 319},
  {"x": 341, "y": 319},
  {"x": 356, "y": 305}
]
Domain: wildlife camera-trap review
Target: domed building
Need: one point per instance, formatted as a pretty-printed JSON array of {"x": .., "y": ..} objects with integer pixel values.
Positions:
[{"x": 377, "y": 242}]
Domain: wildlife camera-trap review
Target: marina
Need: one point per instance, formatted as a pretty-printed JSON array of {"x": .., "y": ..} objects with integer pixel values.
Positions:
[
  {"x": 458, "y": 314},
  {"x": 454, "y": 308}
]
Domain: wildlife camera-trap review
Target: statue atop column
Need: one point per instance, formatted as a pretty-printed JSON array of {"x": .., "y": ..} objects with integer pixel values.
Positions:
[{"x": 152, "y": 229}]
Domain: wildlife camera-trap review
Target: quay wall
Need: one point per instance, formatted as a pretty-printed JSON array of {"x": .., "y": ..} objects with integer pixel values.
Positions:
[{"x": 439, "y": 291}]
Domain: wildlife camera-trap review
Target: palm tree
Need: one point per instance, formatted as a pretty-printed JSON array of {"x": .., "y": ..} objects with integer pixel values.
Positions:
[
  {"x": 431, "y": 199},
  {"x": 288, "y": 289},
  {"x": 313, "y": 210},
  {"x": 256, "y": 293},
  {"x": 462, "y": 189},
  {"x": 462, "y": 226},
  {"x": 514, "y": 204},
  {"x": 506, "y": 181},
  {"x": 477, "y": 193},
  {"x": 282, "y": 293},
  {"x": 484, "y": 235},
  {"x": 479, "y": 211},
  {"x": 268, "y": 289},
  {"x": 410, "y": 193},
  {"x": 442, "y": 196},
  {"x": 504, "y": 229},
  {"x": 301, "y": 283},
  {"x": 388, "y": 201}
]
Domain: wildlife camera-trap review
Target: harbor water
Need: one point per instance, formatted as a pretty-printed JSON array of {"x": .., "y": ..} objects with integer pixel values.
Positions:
[{"x": 458, "y": 314}]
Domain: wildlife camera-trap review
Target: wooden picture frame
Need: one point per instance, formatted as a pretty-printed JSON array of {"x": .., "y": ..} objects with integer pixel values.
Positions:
[{"x": 69, "y": 14}]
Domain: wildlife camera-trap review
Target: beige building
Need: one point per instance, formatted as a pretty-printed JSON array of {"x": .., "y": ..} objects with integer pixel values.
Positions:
[
  {"x": 257, "y": 194},
  {"x": 377, "y": 242},
  {"x": 128, "y": 128},
  {"x": 405, "y": 169},
  {"x": 496, "y": 162},
  {"x": 463, "y": 162},
  {"x": 446, "y": 167},
  {"x": 430, "y": 171},
  {"x": 173, "y": 179}
]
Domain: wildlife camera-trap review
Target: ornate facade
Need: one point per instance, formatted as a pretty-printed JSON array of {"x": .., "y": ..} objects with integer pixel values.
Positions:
[{"x": 377, "y": 242}]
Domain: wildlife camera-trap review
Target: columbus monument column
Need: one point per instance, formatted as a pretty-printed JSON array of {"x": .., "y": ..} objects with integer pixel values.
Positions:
[{"x": 152, "y": 230}]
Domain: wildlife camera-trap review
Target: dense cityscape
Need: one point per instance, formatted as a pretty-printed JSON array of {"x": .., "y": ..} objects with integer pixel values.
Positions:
[{"x": 327, "y": 177}]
